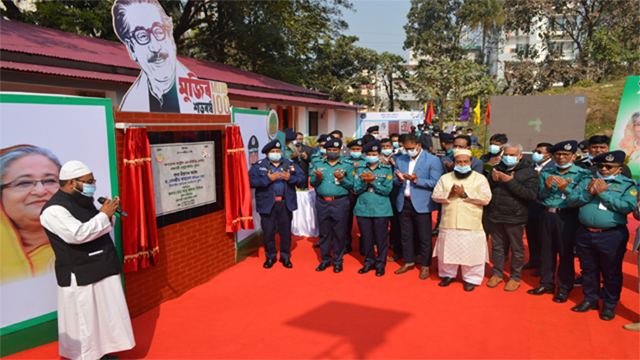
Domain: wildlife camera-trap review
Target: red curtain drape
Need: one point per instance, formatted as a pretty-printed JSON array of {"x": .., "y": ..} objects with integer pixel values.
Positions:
[
  {"x": 139, "y": 229},
  {"x": 236, "y": 184}
]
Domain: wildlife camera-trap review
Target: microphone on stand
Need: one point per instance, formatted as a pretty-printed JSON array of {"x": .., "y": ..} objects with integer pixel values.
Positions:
[{"x": 101, "y": 200}]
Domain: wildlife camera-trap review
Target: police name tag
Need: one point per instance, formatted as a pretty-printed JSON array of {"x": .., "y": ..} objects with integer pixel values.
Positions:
[
  {"x": 336, "y": 181},
  {"x": 602, "y": 207},
  {"x": 563, "y": 196},
  {"x": 264, "y": 169}
]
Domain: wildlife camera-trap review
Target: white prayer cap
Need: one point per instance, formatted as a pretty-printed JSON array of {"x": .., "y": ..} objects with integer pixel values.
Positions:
[
  {"x": 457, "y": 152},
  {"x": 73, "y": 169}
]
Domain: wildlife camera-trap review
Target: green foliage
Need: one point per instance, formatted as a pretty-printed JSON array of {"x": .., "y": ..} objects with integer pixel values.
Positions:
[{"x": 311, "y": 141}]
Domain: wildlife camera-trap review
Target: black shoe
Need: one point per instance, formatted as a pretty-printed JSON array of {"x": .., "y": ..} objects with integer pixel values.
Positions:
[
  {"x": 468, "y": 287},
  {"x": 561, "y": 297},
  {"x": 337, "y": 268},
  {"x": 348, "y": 249},
  {"x": 539, "y": 291},
  {"x": 269, "y": 263},
  {"x": 537, "y": 273},
  {"x": 607, "y": 314},
  {"x": 380, "y": 272},
  {"x": 435, "y": 232},
  {"x": 578, "y": 281},
  {"x": 109, "y": 357},
  {"x": 316, "y": 245},
  {"x": 322, "y": 267},
  {"x": 365, "y": 269},
  {"x": 531, "y": 265},
  {"x": 286, "y": 263},
  {"x": 585, "y": 306},
  {"x": 446, "y": 281},
  {"x": 361, "y": 252}
]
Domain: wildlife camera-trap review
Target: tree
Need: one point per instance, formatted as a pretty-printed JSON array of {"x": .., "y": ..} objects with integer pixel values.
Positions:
[
  {"x": 394, "y": 77},
  {"x": 485, "y": 15}
]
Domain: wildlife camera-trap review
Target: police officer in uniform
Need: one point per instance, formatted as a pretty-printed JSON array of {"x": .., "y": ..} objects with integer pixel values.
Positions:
[
  {"x": 605, "y": 200},
  {"x": 321, "y": 140},
  {"x": 319, "y": 156},
  {"x": 559, "y": 221},
  {"x": 275, "y": 179},
  {"x": 333, "y": 179},
  {"x": 374, "y": 130},
  {"x": 373, "y": 183},
  {"x": 355, "y": 159}
]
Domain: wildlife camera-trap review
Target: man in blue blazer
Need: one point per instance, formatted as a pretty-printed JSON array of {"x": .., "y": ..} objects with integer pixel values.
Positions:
[
  {"x": 274, "y": 179},
  {"x": 417, "y": 173}
]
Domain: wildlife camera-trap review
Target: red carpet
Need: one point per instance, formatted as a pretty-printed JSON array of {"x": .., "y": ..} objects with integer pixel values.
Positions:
[{"x": 249, "y": 312}]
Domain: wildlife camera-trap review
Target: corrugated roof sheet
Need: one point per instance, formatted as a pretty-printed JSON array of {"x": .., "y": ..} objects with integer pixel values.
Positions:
[{"x": 31, "y": 39}]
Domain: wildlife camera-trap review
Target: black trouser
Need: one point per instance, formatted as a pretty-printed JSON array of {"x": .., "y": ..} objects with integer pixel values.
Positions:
[
  {"x": 601, "y": 256},
  {"x": 279, "y": 216},
  {"x": 353, "y": 200},
  {"x": 373, "y": 230},
  {"x": 534, "y": 239},
  {"x": 332, "y": 224},
  {"x": 501, "y": 235},
  {"x": 558, "y": 240},
  {"x": 410, "y": 219}
]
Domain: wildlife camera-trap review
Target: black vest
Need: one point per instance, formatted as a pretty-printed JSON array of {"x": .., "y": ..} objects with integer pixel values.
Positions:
[{"x": 91, "y": 261}]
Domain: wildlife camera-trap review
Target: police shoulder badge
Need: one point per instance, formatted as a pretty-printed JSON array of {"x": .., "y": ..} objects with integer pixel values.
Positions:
[
  {"x": 633, "y": 192},
  {"x": 390, "y": 177}
]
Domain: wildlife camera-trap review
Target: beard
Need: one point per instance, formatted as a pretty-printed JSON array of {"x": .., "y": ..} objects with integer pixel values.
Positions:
[
  {"x": 460, "y": 175},
  {"x": 84, "y": 201}
]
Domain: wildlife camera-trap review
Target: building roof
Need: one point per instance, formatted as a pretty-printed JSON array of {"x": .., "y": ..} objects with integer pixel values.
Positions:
[{"x": 34, "y": 40}]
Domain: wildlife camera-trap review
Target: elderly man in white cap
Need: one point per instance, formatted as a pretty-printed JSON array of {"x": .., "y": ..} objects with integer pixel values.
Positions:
[
  {"x": 93, "y": 319},
  {"x": 461, "y": 241}
]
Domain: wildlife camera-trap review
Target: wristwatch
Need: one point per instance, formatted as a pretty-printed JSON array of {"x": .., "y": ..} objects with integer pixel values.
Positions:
[{"x": 464, "y": 195}]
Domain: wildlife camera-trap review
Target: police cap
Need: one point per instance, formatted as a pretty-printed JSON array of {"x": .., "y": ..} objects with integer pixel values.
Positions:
[{"x": 275, "y": 144}]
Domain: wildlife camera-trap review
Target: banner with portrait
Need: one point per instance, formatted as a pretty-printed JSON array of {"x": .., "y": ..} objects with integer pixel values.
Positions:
[
  {"x": 39, "y": 134},
  {"x": 626, "y": 135},
  {"x": 389, "y": 122}
]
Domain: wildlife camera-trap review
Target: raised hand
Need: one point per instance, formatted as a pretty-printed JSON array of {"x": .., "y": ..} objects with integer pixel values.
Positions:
[
  {"x": 449, "y": 166},
  {"x": 274, "y": 176},
  {"x": 460, "y": 190},
  {"x": 400, "y": 176},
  {"x": 549, "y": 181},
  {"x": 285, "y": 175},
  {"x": 339, "y": 174},
  {"x": 109, "y": 207},
  {"x": 494, "y": 175},
  {"x": 601, "y": 186},
  {"x": 592, "y": 186},
  {"x": 318, "y": 174},
  {"x": 560, "y": 183}
]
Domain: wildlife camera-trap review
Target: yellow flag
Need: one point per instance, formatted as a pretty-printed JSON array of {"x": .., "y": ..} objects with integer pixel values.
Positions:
[{"x": 476, "y": 111}]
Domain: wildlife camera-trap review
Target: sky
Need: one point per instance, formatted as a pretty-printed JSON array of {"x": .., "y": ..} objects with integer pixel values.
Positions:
[{"x": 379, "y": 24}]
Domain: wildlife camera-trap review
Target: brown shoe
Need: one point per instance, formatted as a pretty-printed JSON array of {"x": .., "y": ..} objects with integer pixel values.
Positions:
[
  {"x": 424, "y": 273},
  {"x": 394, "y": 258},
  {"x": 632, "y": 327},
  {"x": 494, "y": 281},
  {"x": 405, "y": 268},
  {"x": 512, "y": 285}
]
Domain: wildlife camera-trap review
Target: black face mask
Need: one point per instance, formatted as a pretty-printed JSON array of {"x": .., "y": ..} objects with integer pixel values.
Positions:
[
  {"x": 460, "y": 175},
  {"x": 84, "y": 201}
]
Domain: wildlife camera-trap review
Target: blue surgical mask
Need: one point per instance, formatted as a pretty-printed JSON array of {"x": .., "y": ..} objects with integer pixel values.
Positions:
[
  {"x": 323, "y": 150},
  {"x": 333, "y": 155},
  {"x": 356, "y": 155},
  {"x": 275, "y": 157},
  {"x": 510, "y": 160},
  {"x": 87, "y": 190},
  {"x": 462, "y": 169},
  {"x": 387, "y": 152},
  {"x": 565, "y": 166},
  {"x": 591, "y": 157},
  {"x": 372, "y": 159},
  {"x": 537, "y": 157},
  {"x": 494, "y": 149},
  {"x": 610, "y": 177},
  {"x": 413, "y": 153},
  {"x": 436, "y": 134},
  {"x": 396, "y": 145}
]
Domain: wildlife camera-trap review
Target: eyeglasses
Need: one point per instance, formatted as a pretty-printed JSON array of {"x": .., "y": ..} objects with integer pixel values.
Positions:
[
  {"x": 25, "y": 185},
  {"x": 143, "y": 36},
  {"x": 90, "y": 181},
  {"x": 606, "y": 166}
]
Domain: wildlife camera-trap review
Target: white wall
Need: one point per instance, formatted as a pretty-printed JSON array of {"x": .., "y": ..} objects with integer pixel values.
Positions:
[
  {"x": 249, "y": 105},
  {"x": 347, "y": 122},
  {"x": 302, "y": 118}
]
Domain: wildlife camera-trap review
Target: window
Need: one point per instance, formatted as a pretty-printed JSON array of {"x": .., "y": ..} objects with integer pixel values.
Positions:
[
  {"x": 313, "y": 123},
  {"x": 522, "y": 49},
  {"x": 285, "y": 119}
]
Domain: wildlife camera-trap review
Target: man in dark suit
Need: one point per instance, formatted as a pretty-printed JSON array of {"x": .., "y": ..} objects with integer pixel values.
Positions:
[
  {"x": 302, "y": 157},
  {"x": 541, "y": 161},
  {"x": 274, "y": 179}
]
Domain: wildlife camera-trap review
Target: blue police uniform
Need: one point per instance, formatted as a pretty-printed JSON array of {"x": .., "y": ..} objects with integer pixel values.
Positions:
[
  {"x": 332, "y": 207},
  {"x": 373, "y": 210},
  {"x": 559, "y": 223},
  {"x": 601, "y": 238},
  {"x": 275, "y": 201},
  {"x": 353, "y": 198}
]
